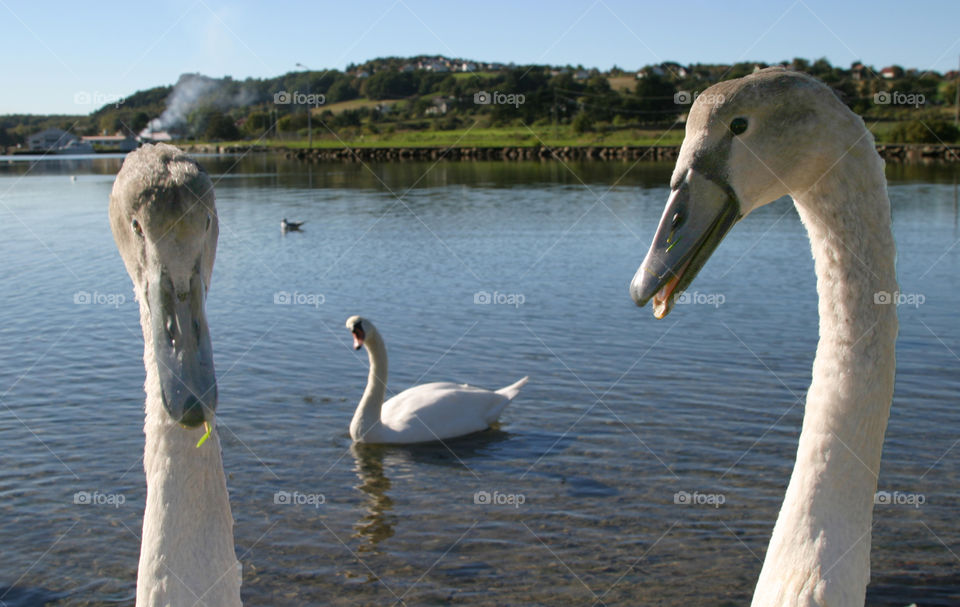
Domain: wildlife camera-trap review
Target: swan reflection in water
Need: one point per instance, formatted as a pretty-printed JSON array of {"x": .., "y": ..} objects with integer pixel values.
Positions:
[{"x": 379, "y": 522}]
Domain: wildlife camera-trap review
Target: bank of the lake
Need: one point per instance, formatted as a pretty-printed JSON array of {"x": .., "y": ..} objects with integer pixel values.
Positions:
[{"x": 890, "y": 152}]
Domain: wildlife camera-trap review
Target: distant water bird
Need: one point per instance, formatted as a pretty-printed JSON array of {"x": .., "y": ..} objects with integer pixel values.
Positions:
[
  {"x": 423, "y": 413},
  {"x": 290, "y": 226},
  {"x": 164, "y": 221},
  {"x": 748, "y": 142}
]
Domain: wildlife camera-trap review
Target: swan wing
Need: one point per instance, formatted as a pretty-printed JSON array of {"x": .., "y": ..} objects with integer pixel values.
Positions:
[{"x": 440, "y": 410}]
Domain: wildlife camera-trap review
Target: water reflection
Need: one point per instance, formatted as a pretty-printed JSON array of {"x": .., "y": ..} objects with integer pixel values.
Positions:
[{"x": 377, "y": 524}]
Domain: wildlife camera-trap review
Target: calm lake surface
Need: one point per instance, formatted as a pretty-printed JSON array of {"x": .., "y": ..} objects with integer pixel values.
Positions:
[{"x": 622, "y": 411}]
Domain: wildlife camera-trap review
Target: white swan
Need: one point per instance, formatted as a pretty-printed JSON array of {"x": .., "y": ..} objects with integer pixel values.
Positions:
[
  {"x": 164, "y": 221},
  {"x": 748, "y": 142},
  {"x": 423, "y": 413}
]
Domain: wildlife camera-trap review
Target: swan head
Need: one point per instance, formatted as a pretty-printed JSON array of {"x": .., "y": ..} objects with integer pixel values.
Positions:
[
  {"x": 164, "y": 221},
  {"x": 748, "y": 142},
  {"x": 362, "y": 330}
]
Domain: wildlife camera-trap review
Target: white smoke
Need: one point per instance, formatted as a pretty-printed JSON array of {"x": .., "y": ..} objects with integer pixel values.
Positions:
[{"x": 187, "y": 93}]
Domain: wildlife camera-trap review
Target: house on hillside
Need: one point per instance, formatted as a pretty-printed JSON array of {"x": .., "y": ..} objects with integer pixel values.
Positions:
[
  {"x": 468, "y": 66},
  {"x": 892, "y": 72},
  {"x": 653, "y": 70},
  {"x": 858, "y": 71},
  {"x": 674, "y": 68},
  {"x": 434, "y": 65},
  {"x": 50, "y": 140},
  {"x": 439, "y": 107}
]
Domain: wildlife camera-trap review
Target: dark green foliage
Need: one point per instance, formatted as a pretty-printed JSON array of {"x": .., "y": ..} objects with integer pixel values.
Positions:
[
  {"x": 524, "y": 95},
  {"x": 582, "y": 123},
  {"x": 919, "y": 131},
  {"x": 390, "y": 85}
]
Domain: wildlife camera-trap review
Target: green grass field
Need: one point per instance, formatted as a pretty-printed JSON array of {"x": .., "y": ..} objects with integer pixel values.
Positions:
[
  {"x": 483, "y": 136},
  {"x": 480, "y": 137}
]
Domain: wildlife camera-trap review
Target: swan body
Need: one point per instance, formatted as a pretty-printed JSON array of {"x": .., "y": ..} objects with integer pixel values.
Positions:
[
  {"x": 748, "y": 142},
  {"x": 424, "y": 413},
  {"x": 164, "y": 221}
]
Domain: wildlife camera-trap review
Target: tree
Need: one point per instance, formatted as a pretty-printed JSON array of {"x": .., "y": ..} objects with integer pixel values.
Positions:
[
  {"x": 341, "y": 90},
  {"x": 582, "y": 122},
  {"x": 390, "y": 85},
  {"x": 257, "y": 123},
  {"x": 919, "y": 131},
  {"x": 220, "y": 127},
  {"x": 655, "y": 99}
]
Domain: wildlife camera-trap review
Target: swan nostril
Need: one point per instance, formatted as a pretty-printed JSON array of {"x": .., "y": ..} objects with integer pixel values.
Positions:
[{"x": 171, "y": 330}]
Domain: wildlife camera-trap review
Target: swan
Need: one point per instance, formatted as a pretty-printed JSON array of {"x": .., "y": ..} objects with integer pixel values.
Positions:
[
  {"x": 164, "y": 221},
  {"x": 424, "y": 413},
  {"x": 748, "y": 142},
  {"x": 290, "y": 226}
]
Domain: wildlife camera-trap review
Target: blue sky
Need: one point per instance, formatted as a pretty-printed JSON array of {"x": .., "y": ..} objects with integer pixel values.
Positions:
[{"x": 59, "y": 54}]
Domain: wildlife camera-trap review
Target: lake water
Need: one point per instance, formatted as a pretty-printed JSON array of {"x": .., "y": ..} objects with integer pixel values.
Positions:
[{"x": 622, "y": 411}]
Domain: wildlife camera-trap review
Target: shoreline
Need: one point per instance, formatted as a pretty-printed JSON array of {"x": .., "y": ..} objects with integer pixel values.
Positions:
[
  {"x": 891, "y": 152},
  {"x": 908, "y": 153}
]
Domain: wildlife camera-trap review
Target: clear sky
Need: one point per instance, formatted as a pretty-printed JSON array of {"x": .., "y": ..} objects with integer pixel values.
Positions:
[{"x": 58, "y": 55}]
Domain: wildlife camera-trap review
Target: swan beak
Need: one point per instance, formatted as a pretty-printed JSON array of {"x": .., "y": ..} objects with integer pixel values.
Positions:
[
  {"x": 699, "y": 213},
  {"x": 182, "y": 348},
  {"x": 358, "y": 337}
]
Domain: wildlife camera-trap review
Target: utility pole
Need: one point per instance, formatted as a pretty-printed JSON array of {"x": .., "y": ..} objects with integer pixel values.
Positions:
[
  {"x": 309, "y": 120},
  {"x": 956, "y": 103}
]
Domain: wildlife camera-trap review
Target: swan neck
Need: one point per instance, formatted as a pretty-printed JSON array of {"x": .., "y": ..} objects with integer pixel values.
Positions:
[
  {"x": 367, "y": 416},
  {"x": 820, "y": 549},
  {"x": 187, "y": 547}
]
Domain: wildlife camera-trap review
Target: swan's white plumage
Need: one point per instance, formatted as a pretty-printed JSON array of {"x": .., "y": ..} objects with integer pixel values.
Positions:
[
  {"x": 187, "y": 552},
  {"x": 428, "y": 412},
  {"x": 803, "y": 142}
]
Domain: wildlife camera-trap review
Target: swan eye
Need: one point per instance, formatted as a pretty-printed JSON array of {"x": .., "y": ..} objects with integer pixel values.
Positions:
[
  {"x": 738, "y": 126},
  {"x": 136, "y": 227}
]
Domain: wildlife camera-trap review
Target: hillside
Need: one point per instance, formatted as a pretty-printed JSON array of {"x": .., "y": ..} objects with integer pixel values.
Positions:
[{"x": 395, "y": 98}]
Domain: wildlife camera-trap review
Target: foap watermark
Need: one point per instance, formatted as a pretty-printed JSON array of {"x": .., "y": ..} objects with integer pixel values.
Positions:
[
  {"x": 295, "y": 498},
  {"x": 497, "y": 498},
  {"x": 899, "y": 98},
  {"x": 685, "y": 498},
  {"x": 86, "y": 298},
  {"x": 97, "y": 98},
  {"x": 298, "y": 98},
  {"x": 697, "y": 298},
  {"x": 687, "y": 97},
  {"x": 95, "y": 498},
  {"x": 498, "y": 98},
  {"x": 486, "y": 298},
  {"x": 885, "y": 298},
  {"x": 899, "y": 498},
  {"x": 286, "y": 298}
]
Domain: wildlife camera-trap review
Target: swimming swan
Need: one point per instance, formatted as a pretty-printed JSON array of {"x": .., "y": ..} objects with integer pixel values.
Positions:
[
  {"x": 164, "y": 221},
  {"x": 748, "y": 142},
  {"x": 423, "y": 413}
]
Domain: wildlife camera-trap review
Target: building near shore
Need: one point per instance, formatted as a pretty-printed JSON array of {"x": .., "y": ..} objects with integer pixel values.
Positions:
[
  {"x": 112, "y": 143},
  {"x": 50, "y": 140}
]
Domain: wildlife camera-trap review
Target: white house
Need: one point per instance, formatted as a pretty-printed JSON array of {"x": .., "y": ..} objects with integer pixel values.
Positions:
[
  {"x": 50, "y": 140},
  {"x": 439, "y": 107}
]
